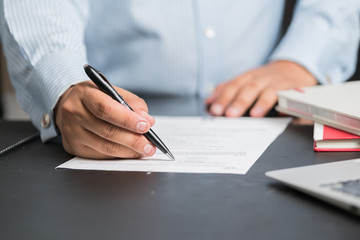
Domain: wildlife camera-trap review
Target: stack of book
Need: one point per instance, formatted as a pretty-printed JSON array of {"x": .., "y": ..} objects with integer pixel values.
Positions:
[{"x": 335, "y": 109}]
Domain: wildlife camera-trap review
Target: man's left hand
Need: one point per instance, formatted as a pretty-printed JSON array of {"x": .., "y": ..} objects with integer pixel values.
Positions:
[{"x": 257, "y": 88}]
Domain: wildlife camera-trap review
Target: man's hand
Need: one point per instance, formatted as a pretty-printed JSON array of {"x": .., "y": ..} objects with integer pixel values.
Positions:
[
  {"x": 258, "y": 86},
  {"x": 93, "y": 125}
]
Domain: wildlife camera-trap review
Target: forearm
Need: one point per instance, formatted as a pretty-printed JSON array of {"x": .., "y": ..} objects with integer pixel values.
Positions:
[
  {"x": 323, "y": 37},
  {"x": 43, "y": 44}
]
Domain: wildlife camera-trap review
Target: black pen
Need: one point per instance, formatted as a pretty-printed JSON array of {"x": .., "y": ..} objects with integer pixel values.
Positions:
[{"x": 104, "y": 85}]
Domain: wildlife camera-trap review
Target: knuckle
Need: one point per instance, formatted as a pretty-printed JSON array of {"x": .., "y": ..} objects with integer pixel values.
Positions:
[
  {"x": 231, "y": 86},
  {"x": 242, "y": 100},
  {"x": 253, "y": 86},
  {"x": 68, "y": 109},
  {"x": 141, "y": 102},
  {"x": 250, "y": 74},
  {"x": 227, "y": 96},
  {"x": 110, "y": 149},
  {"x": 109, "y": 131},
  {"x": 236, "y": 84},
  {"x": 125, "y": 120},
  {"x": 135, "y": 142},
  {"x": 103, "y": 108}
]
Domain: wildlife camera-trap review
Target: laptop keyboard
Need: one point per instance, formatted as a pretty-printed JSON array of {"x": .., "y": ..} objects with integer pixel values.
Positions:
[{"x": 351, "y": 187}]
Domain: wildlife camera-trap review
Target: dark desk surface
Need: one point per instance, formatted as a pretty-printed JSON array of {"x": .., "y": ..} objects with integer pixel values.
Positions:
[{"x": 39, "y": 202}]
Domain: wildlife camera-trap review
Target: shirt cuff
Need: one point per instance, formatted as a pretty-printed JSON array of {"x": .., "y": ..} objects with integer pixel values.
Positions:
[{"x": 49, "y": 79}]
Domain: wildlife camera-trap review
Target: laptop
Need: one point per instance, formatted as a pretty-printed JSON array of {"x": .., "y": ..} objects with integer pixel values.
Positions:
[{"x": 337, "y": 183}]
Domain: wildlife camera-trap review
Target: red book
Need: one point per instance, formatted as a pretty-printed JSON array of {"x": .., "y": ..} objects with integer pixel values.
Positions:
[{"x": 331, "y": 139}]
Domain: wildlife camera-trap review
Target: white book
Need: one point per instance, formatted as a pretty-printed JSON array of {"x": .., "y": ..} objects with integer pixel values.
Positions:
[{"x": 337, "y": 106}]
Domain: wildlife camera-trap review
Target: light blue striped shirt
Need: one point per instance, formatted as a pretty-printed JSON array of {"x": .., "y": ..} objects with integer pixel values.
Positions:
[{"x": 182, "y": 47}]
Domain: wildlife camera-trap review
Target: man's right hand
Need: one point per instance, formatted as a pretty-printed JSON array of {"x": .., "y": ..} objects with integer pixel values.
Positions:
[{"x": 93, "y": 125}]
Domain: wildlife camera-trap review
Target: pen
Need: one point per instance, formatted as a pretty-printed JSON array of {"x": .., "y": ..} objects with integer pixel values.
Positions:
[{"x": 104, "y": 85}]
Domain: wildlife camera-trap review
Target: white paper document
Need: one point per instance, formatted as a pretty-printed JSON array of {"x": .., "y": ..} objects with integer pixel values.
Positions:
[{"x": 200, "y": 145}]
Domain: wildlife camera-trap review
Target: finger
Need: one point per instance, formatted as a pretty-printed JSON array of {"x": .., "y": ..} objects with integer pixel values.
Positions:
[
  {"x": 146, "y": 115},
  {"x": 104, "y": 107},
  {"x": 73, "y": 146},
  {"x": 118, "y": 135},
  {"x": 139, "y": 146},
  {"x": 76, "y": 137},
  {"x": 264, "y": 103},
  {"x": 244, "y": 99},
  {"x": 215, "y": 94},
  {"x": 136, "y": 103},
  {"x": 115, "y": 134},
  {"x": 228, "y": 93},
  {"x": 224, "y": 98}
]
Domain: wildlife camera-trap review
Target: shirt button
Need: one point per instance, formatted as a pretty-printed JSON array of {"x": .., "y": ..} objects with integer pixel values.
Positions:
[
  {"x": 45, "y": 121},
  {"x": 209, "y": 32}
]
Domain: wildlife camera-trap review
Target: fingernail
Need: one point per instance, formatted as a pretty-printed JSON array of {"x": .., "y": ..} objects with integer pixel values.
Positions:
[
  {"x": 217, "y": 109},
  {"x": 257, "y": 112},
  {"x": 141, "y": 126},
  {"x": 148, "y": 148},
  {"x": 233, "y": 112},
  {"x": 145, "y": 114}
]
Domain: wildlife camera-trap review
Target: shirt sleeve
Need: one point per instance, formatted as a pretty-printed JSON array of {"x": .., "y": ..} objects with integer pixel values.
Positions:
[
  {"x": 43, "y": 42},
  {"x": 323, "y": 37}
]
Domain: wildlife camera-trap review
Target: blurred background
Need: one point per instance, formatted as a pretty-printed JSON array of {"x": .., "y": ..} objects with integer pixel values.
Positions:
[{"x": 10, "y": 109}]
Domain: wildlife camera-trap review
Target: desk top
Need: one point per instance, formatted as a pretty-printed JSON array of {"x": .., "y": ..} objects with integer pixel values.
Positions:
[{"x": 39, "y": 202}]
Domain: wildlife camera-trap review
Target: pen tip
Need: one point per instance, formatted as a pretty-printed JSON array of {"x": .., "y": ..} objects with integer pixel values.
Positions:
[{"x": 169, "y": 154}]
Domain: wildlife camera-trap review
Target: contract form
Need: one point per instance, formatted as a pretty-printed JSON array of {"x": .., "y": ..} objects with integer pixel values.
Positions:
[{"x": 200, "y": 145}]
